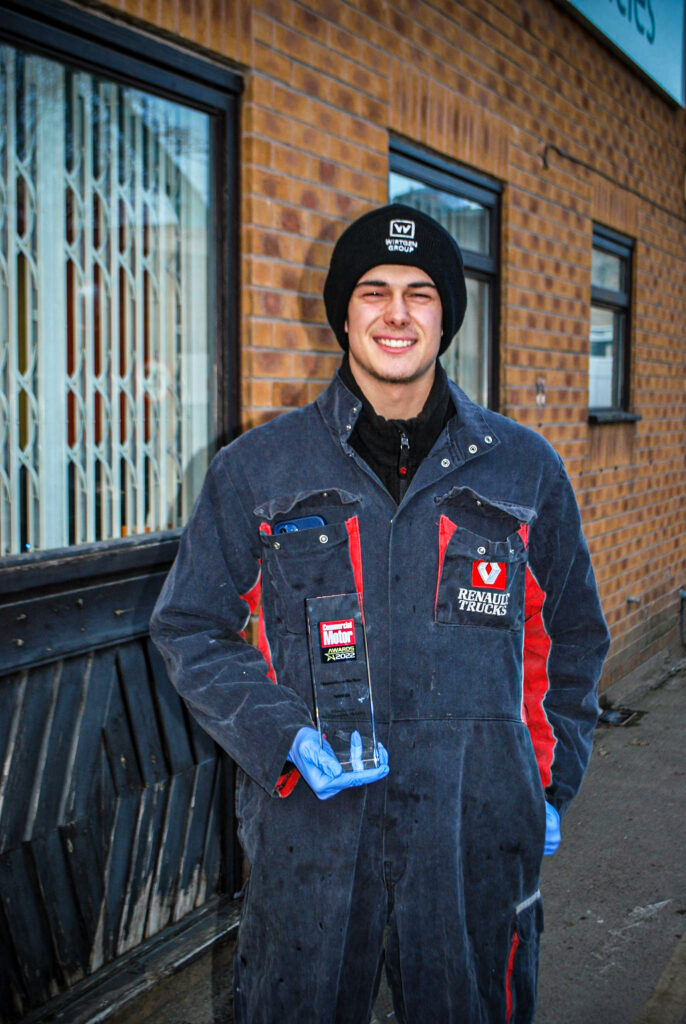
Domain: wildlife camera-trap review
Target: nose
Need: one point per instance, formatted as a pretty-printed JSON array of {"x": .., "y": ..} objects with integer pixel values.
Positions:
[{"x": 396, "y": 311}]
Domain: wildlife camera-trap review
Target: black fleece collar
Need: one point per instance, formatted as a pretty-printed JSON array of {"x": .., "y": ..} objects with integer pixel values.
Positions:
[{"x": 378, "y": 440}]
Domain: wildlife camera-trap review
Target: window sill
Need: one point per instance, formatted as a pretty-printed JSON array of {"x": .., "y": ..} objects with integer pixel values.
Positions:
[
  {"x": 600, "y": 416},
  {"x": 64, "y": 603},
  {"x": 82, "y": 563}
]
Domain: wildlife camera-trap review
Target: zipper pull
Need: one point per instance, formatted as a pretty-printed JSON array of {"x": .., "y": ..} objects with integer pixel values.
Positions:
[{"x": 404, "y": 455}]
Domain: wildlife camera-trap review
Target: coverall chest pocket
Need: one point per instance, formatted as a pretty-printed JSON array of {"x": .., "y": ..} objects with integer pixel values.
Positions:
[
  {"x": 481, "y": 575},
  {"x": 311, "y": 562}
]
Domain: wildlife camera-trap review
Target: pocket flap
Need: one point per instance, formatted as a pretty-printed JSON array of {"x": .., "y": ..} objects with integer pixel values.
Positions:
[
  {"x": 466, "y": 498},
  {"x": 305, "y": 501}
]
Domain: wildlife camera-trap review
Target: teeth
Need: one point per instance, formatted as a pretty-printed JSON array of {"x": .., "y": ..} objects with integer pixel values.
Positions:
[{"x": 396, "y": 342}]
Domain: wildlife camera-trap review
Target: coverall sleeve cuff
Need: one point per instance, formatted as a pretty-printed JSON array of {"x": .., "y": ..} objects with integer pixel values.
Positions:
[
  {"x": 561, "y": 806},
  {"x": 283, "y": 771},
  {"x": 287, "y": 781}
]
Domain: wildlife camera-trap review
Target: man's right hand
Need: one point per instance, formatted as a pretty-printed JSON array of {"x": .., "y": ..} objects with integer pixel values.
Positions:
[{"x": 321, "y": 769}]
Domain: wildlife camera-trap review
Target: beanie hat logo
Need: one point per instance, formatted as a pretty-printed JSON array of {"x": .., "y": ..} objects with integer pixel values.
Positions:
[
  {"x": 401, "y": 238},
  {"x": 402, "y": 229}
]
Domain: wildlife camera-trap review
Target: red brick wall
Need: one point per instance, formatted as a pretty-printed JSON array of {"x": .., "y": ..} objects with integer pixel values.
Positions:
[{"x": 486, "y": 83}]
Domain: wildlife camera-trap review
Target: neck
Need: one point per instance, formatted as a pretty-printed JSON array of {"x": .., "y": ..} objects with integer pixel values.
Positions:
[{"x": 401, "y": 400}]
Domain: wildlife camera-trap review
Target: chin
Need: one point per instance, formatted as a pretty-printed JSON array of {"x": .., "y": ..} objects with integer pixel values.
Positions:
[{"x": 388, "y": 376}]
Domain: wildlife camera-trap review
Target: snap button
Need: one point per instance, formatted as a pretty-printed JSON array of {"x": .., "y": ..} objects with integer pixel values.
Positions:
[
  {"x": 348, "y": 426},
  {"x": 323, "y": 538},
  {"x": 445, "y": 463},
  {"x": 488, "y": 439},
  {"x": 473, "y": 449},
  {"x": 276, "y": 545},
  {"x": 355, "y": 408},
  {"x": 478, "y": 502},
  {"x": 481, "y": 550}
]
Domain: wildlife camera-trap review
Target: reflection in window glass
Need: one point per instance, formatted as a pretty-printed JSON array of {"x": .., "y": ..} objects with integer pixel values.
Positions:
[
  {"x": 607, "y": 270},
  {"x": 466, "y": 360},
  {"x": 606, "y": 328},
  {"x": 105, "y": 408},
  {"x": 465, "y": 219},
  {"x": 608, "y": 377}
]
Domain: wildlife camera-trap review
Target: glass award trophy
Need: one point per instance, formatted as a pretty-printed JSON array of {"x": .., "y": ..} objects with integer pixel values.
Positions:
[{"x": 340, "y": 677}]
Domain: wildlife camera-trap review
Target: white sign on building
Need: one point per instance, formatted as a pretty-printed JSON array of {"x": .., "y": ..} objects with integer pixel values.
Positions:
[{"x": 649, "y": 32}]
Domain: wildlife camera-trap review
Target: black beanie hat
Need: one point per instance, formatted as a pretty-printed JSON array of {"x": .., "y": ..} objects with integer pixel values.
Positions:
[{"x": 396, "y": 234}]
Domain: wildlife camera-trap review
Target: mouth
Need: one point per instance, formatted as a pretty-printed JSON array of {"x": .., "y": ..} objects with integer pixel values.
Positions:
[{"x": 395, "y": 343}]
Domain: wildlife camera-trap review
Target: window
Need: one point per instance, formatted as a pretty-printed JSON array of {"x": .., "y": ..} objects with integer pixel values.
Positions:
[
  {"x": 108, "y": 242},
  {"x": 608, "y": 374},
  {"x": 468, "y": 206}
]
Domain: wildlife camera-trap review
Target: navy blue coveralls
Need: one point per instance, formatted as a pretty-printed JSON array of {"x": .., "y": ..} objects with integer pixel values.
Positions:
[{"x": 446, "y": 851}]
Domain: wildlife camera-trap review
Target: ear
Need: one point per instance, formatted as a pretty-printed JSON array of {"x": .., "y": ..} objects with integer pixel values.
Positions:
[{"x": 345, "y": 325}]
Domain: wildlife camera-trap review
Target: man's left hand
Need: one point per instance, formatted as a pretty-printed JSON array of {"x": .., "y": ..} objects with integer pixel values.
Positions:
[{"x": 553, "y": 835}]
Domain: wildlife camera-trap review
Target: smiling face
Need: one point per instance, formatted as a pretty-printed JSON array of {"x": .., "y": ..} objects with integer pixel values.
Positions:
[{"x": 394, "y": 333}]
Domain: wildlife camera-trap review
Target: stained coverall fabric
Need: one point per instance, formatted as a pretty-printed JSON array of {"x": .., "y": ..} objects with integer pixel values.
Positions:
[{"x": 447, "y": 849}]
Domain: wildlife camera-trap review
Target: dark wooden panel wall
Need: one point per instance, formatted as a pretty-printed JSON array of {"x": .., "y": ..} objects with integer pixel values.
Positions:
[{"x": 115, "y": 808}]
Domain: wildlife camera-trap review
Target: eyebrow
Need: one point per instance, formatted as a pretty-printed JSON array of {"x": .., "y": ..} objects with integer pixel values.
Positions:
[{"x": 384, "y": 284}]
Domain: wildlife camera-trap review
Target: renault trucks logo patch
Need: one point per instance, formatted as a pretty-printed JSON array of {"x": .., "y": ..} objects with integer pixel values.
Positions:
[
  {"x": 401, "y": 236},
  {"x": 487, "y": 577},
  {"x": 489, "y": 574},
  {"x": 337, "y": 640}
]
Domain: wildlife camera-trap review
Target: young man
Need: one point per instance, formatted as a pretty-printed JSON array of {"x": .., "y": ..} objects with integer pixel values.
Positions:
[{"x": 460, "y": 530}]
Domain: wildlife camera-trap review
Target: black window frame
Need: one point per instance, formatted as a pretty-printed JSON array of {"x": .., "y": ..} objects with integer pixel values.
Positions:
[
  {"x": 450, "y": 176},
  {"x": 98, "y": 44},
  {"x": 617, "y": 301}
]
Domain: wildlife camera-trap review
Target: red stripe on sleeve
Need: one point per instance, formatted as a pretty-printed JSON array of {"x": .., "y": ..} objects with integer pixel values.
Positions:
[
  {"x": 352, "y": 525},
  {"x": 446, "y": 528},
  {"x": 253, "y": 598},
  {"x": 508, "y": 978},
  {"x": 263, "y": 645},
  {"x": 287, "y": 781},
  {"x": 536, "y": 682},
  {"x": 253, "y": 595}
]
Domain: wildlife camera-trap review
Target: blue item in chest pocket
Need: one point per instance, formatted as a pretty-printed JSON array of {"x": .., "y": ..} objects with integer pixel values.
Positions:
[{"x": 302, "y": 523}]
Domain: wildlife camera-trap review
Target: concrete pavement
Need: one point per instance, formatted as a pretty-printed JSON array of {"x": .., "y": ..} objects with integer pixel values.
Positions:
[{"x": 615, "y": 893}]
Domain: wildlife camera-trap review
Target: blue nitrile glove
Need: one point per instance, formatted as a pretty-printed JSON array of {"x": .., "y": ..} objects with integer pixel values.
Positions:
[
  {"x": 321, "y": 769},
  {"x": 553, "y": 835}
]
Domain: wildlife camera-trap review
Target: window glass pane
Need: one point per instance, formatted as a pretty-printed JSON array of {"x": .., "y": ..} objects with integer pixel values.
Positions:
[
  {"x": 607, "y": 270},
  {"x": 105, "y": 403},
  {"x": 603, "y": 381},
  {"x": 466, "y": 220},
  {"x": 466, "y": 360}
]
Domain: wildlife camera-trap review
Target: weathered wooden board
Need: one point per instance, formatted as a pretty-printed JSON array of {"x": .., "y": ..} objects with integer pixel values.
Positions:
[{"x": 113, "y": 817}]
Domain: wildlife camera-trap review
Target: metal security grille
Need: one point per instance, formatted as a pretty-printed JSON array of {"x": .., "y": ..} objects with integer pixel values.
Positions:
[{"x": 105, "y": 407}]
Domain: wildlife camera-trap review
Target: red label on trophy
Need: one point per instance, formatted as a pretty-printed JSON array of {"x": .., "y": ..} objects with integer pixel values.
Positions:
[{"x": 337, "y": 640}]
